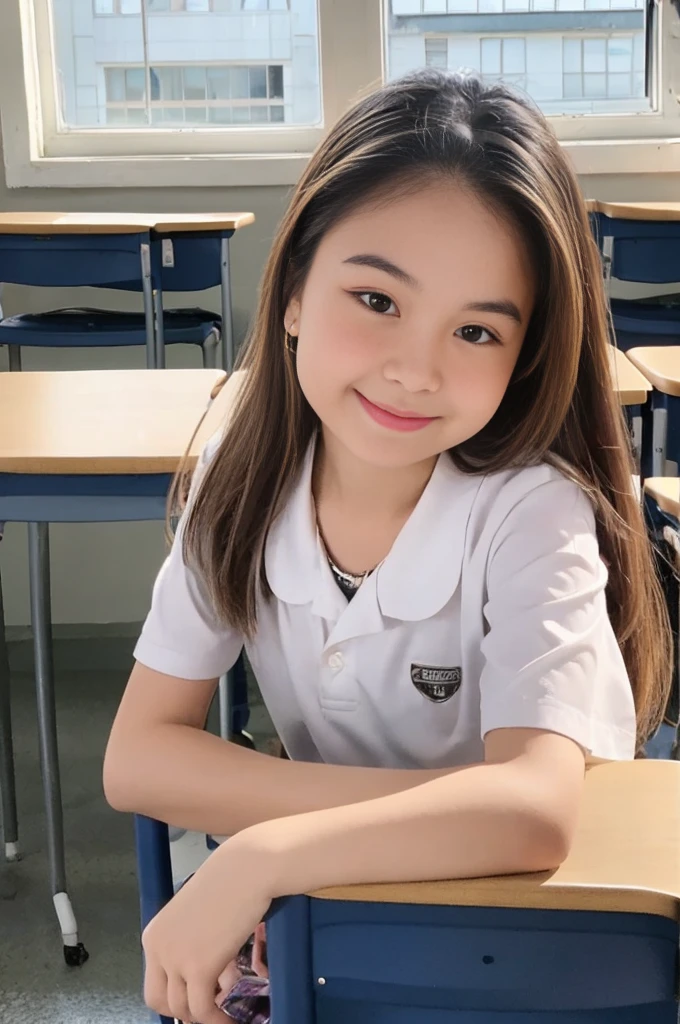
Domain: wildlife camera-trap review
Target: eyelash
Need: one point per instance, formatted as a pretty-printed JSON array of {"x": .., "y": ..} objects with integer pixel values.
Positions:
[{"x": 359, "y": 296}]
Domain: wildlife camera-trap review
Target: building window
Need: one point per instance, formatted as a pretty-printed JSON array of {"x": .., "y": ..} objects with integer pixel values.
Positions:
[
  {"x": 603, "y": 68},
  {"x": 265, "y": 5},
  {"x": 437, "y": 52},
  {"x": 504, "y": 60},
  {"x": 222, "y": 94},
  {"x": 153, "y": 6}
]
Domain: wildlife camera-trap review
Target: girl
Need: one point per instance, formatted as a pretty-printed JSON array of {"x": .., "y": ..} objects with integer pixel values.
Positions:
[{"x": 420, "y": 522}]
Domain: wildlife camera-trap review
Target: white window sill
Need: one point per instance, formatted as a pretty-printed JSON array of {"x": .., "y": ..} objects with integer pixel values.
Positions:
[{"x": 609, "y": 157}]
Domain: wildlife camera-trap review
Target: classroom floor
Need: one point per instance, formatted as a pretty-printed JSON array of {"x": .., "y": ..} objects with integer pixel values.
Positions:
[{"x": 36, "y": 987}]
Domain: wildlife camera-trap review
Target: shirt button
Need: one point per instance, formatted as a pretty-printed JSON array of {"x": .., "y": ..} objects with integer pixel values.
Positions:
[{"x": 336, "y": 661}]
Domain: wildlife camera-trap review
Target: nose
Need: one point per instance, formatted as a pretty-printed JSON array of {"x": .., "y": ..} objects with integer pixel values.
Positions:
[{"x": 415, "y": 364}]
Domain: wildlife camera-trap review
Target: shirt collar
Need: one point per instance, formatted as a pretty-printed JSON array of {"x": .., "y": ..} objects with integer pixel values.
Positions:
[{"x": 419, "y": 575}]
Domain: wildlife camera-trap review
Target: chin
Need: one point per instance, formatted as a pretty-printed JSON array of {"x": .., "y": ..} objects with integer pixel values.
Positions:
[{"x": 397, "y": 452}]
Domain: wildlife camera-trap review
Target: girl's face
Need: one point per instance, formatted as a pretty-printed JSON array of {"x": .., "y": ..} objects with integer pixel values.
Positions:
[{"x": 410, "y": 324}]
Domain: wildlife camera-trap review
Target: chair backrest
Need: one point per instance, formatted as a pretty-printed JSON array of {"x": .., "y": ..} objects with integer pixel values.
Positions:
[
  {"x": 332, "y": 961},
  {"x": 647, "y": 252},
  {"x": 71, "y": 260}
]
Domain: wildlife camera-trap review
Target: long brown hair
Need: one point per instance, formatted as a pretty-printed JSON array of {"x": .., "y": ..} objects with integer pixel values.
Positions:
[{"x": 560, "y": 405}]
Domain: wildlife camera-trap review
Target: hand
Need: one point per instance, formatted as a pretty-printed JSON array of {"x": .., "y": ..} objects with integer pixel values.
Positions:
[{"x": 191, "y": 943}]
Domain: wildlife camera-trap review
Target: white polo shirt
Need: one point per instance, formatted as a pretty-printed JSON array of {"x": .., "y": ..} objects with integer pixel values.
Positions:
[{"x": 489, "y": 611}]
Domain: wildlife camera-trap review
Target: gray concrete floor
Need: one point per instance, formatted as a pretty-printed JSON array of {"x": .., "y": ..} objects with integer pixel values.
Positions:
[{"x": 36, "y": 987}]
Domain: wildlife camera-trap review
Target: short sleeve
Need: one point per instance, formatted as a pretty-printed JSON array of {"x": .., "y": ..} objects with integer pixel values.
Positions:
[
  {"x": 551, "y": 659},
  {"x": 182, "y": 635}
]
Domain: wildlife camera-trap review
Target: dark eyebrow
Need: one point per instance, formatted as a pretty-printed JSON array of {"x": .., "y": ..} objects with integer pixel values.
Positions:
[
  {"x": 503, "y": 307},
  {"x": 367, "y": 259}
]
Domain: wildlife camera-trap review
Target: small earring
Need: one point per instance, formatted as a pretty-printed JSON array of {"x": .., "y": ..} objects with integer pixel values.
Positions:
[{"x": 291, "y": 343}]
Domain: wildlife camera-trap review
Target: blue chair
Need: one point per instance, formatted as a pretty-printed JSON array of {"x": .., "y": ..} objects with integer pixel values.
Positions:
[
  {"x": 643, "y": 252},
  {"x": 131, "y": 262},
  {"x": 661, "y": 414},
  {"x": 84, "y": 327},
  {"x": 334, "y": 961},
  {"x": 662, "y": 514}
]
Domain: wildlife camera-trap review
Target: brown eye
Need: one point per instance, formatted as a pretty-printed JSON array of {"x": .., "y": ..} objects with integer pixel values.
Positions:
[
  {"x": 475, "y": 334},
  {"x": 378, "y": 302}
]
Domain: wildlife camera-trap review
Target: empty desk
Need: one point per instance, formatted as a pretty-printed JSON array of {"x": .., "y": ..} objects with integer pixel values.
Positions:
[{"x": 86, "y": 446}]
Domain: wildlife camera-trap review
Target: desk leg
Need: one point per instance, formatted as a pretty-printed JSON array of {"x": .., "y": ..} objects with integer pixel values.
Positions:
[
  {"x": 659, "y": 441},
  {"x": 158, "y": 327},
  {"x": 607, "y": 259},
  {"x": 8, "y": 793},
  {"x": 41, "y": 621},
  {"x": 226, "y": 689},
  {"x": 147, "y": 291},
  {"x": 227, "y": 316}
]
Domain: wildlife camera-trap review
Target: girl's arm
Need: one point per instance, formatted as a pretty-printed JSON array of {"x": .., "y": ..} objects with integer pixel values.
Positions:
[
  {"x": 515, "y": 813},
  {"x": 159, "y": 762}
]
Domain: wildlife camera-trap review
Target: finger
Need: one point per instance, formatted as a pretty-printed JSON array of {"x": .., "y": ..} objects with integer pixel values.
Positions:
[
  {"x": 260, "y": 952},
  {"x": 201, "y": 997},
  {"x": 178, "y": 1000},
  {"x": 156, "y": 988}
]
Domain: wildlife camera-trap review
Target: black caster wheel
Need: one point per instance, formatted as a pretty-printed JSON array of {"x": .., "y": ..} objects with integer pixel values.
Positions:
[
  {"x": 243, "y": 739},
  {"x": 76, "y": 956}
]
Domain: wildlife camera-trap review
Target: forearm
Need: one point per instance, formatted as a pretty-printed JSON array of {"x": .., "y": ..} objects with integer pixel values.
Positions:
[
  {"x": 483, "y": 820},
  {"x": 195, "y": 780}
]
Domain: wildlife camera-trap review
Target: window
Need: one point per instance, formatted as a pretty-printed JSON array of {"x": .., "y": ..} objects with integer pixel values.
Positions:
[
  {"x": 546, "y": 48},
  {"x": 265, "y": 5},
  {"x": 95, "y": 93},
  {"x": 243, "y": 70},
  {"x": 155, "y": 6},
  {"x": 603, "y": 67},
  {"x": 190, "y": 94},
  {"x": 437, "y": 53},
  {"x": 504, "y": 60}
]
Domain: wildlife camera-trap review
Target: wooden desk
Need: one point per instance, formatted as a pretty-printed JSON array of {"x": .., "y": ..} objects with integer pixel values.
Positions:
[
  {"x": 626, "y": 855},
  {"x": 44, "y": 222},
  {"x": 630, "y": 385},
  {"x": 660, "y": 365},
  {"x": 88, "y": 446},
  {"x": 655, "y": 211},
  {"x": 106, "y": 421},
  {"x": 666, "y": 493}
]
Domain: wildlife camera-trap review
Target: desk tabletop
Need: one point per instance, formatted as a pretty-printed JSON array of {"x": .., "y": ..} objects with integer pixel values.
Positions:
[
  {"x": 637, "y": 211},
  {"x": 107, "y": 421},
  {"x": 43, "y": 222},
  {"x": 625, "y": 857},
  {"x": 666, "y": 492},
  {"x": 630, "y": 385},
  {"x": 660, "y": 364}
]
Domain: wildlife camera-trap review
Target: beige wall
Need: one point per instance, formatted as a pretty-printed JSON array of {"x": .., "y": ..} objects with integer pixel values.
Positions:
[{"x": 104, "y": 573}]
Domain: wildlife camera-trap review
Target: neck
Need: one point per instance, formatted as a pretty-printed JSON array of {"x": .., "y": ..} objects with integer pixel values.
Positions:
[{"x": 349, "y": 482}]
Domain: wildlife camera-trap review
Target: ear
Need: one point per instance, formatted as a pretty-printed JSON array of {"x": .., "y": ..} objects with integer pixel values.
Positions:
[{"x": 292, "y": 317}]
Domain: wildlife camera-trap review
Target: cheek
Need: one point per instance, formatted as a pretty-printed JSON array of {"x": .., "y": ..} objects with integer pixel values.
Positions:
[
  {"x": 335, "y": 344},
  {"x": 479, "y": 383}
]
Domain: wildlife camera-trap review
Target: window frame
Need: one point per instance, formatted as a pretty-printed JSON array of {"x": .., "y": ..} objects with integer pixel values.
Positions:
[{"x": 351, "y": 42}]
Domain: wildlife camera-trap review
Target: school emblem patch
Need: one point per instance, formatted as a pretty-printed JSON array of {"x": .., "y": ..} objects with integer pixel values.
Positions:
[{"x": 437, "y": 684}]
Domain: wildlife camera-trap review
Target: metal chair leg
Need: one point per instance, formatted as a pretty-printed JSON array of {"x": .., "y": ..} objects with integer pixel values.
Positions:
[
  {"x": 209, "y": 350},
  {"x": 228, "y": 353},
  {"x": 14, "y": 358},
  {"x": 75, "y": 953},
  {"x": 8, "y": 793}
]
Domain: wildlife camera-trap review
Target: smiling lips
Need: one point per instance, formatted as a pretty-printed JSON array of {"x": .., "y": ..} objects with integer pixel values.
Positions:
[{"x": 392, "y": 418}]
